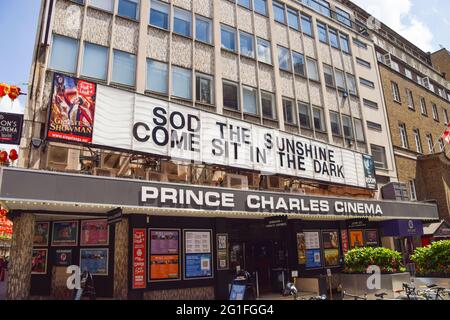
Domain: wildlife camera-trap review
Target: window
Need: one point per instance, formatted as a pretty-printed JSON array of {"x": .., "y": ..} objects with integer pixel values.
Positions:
[
  {"x": 320, "y": 6},
  {"x": 267, "y": 105},
  {"x": 250, "y": 100},
  {"x": 299, "y": 63},
  {"x": 410, "y": 98},
  {"x": 284, "y": 58},
  {"x": 260, "y": 6},
  {"x": 441, "y": 145},
  {"x": 416, "y": 133},
  {"x": 204, "y": 89},
  {"x": 228, "y": 36},
  {"x": 359, "y": 131},
  {"x": 335, "y": 123},
  {"x": 423, "y": 106},
  {"x": 182, "y": 22},
  {"x": 343, "y": 17},
  {"x": 289, "y": 112},
  {"x": 247, "y": 44},
  {"x": 348, "y": 127},
  {"x": 322, "y": 31},
  {"x": 430, "y": 143},
  {"x": 379, "y": 156},
  {"x": 95, "y": 61},
  {"x": 446, "y": 116},
  {"x": 395, "y": 66},
  {"x": 363, "y": 63},
  {"x": 244, "y": 3},
  {"x": 293, "y": 20},
  {"x": 351, "y": 84},
  {"x": 395, "y": 92},
  {"x": 374, "y": 126},
  {"x": 367, "y": 83},
  {"x": 264, "y": 54},
  {"x": 307, "y": 25},
  {"x": 181, "y": 83},
  {"x": 435, "y": 112},
  {"x": 340, "y": 79},
  {"x": 157, "y": 76},
  {"x": 128, "y": 9},
  {"x": 370, "y": 104},
  {"x": 230, "y": 95},
  {"x": 359, "y": 44},
  {"x": 408, "y": 74},
  {"x": 304, "y": 114},
  {"x": 159, "y": 14},
  {"x": 333, "y": 38},
  {"x": 64, "y": 54},
  {"x": 412, "y": 189},
  {"x": 124, "y": 68},
  {"x": 313, "y": 73},
  {"x": 319, "y": 123},
  {"x": 328, "y": 75},
  {"x": 278, "y": 12},
  {"x": 403, "y": 135},
  {"x": 203, "y": 29},
  {"x": 345, "y": 45},
  {"x": 107, "y": 5}
]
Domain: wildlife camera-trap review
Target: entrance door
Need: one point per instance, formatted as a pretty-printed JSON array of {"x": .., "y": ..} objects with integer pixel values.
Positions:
[{"x": 263, "y": 254}]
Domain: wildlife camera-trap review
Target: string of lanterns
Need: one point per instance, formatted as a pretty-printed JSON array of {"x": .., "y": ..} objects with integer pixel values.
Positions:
[
  {"x": 6, "y": 226},
  {"x": 13, "y": 92},
  {"x": 5, "y": 157}
]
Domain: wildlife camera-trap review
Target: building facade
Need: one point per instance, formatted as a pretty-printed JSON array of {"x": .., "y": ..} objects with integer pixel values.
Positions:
[{"x": 225, "y": 135}]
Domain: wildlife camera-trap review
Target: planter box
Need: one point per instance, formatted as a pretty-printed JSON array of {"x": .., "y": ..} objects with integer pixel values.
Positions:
[
  {"x": 356, "y": 284},
  {"x": 424, "y": 281}
]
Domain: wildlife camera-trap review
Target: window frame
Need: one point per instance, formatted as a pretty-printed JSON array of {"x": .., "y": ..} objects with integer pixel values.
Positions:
[
  {"x": 201, "y": 76},
  {"x": 147, "y": 88},
  {"x": 210, "y": 24},
  {"x": 163, "y": 4},
  {"x": 236, "y": 86}
]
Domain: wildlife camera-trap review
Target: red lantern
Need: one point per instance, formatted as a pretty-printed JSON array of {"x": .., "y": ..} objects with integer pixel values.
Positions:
[
  {"x": 13, "y": 155},
  {"x": 3, "y": 156},
  {"x": 4, "y": 90},
  {"x": 14, "y": 93}
]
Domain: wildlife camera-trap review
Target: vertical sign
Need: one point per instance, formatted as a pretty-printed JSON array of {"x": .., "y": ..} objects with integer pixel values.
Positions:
[
  {"x": 139, "y": 259},
  {"x": 344, "y": 240}
]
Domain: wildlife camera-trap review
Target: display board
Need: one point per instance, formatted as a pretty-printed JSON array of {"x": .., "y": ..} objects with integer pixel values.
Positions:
[
  {"x": 94, "y": 233},
  {"x": 41, "y": 234},
  {"x": 164, "y": 256},
  {"x": 39, "y": 261},
  {"x": 330, "y": 240},
  {"x": 371, "y": 237},
  {"x": 139, "y": 259},
  {"x": 313, "y": 250},
  {"x": 63, "y": 257},
  {"x": 10, "y": 128},
  {"x": 356, "y": 239},
  {"x": 198, "y": 263},
  {"x": 65, "y": 233},
  {"x": 223, "y": 259},
  {"x": 95, "y": 261},
  {"x": 301, "y": 248}
]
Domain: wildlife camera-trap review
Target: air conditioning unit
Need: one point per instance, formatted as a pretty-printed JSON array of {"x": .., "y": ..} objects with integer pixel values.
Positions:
[
  {"x": 101, "y": 172},
  {"x": 236, "y": 181},
  {"x": 62, "y": 159}
]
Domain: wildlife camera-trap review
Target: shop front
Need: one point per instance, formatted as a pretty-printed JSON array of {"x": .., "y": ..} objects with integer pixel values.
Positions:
[{"x": 152, "y": 240}]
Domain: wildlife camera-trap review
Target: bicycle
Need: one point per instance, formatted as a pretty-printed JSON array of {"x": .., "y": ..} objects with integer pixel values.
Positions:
[
  {"x": 434, "y": 292},
  {"x": 410, "y": 293}
]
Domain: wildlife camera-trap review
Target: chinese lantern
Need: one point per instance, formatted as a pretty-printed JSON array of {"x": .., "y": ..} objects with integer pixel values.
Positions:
[
  {"x": 13, "y": 155},
  {"x": 3, "y": 156},
  {"x": 4, "y": 90},
  {"x": 14, "y": 93}
]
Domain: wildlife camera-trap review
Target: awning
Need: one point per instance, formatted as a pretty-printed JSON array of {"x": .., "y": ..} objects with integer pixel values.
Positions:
[
  {"x": 402, "y": 228},
  {"x": 44, "y": 191},
  {"x": 437, "y": 230}
]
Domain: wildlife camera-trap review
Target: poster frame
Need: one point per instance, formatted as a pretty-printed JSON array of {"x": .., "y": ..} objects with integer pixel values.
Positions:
[
  {"x": 132, "y": 258},
  {"x": 320, "y": 248},
  {"x": 107, "y": 260},
  {"x": 149, "y": 255},
  {"x": 46, "y": 261},
  {"x": 186, "y": 254},
  {"x": 226, "y": 250},
  {"x": 48, "y": 234},
  {"x": 53, "y": 244},
  {"x": 351, "y": 246},
  {"x": 94, "y": 245}
]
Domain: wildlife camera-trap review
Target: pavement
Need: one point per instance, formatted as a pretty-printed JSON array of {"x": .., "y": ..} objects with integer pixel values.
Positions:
[{"x": 3, "y": 288}]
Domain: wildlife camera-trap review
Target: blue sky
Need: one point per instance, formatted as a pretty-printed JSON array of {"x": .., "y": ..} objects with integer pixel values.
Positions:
[{"x": 423, "y": 22}]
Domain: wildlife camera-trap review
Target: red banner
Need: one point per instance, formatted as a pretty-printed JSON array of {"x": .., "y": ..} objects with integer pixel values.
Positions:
[
  {"x": 344, "y": 240},
  {"x": 139, "y": 254}
]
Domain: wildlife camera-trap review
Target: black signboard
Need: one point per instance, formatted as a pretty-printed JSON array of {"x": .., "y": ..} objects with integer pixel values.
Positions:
[
  {"x": 276, "y": 222},
  {"x": 115, "y": 216},
  {"x": 63, "y": 257},
  {"x": 357, "y": 223},
  {"x": 10, "y": 128}
]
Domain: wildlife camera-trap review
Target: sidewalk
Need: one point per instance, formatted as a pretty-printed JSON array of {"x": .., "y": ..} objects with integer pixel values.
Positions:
[{"x": 3, "y": 288}]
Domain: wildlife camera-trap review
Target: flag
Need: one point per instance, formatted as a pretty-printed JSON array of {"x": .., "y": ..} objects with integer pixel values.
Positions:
[{"x": 446, "y": 136}]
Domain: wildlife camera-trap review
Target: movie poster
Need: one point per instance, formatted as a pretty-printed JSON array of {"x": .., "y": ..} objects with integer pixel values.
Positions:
[
  {"x": 164, "y": 267},
  {"x": 41, "y": 231},
  {"x": 330, "y": 239},
  {"x": 356, "y": 239},
  {"x": 94, "y": 261},
  {"x": 94, "y": 233},
  {"x": 72, "y": 109},
  {"x": 65, "y": 233},
  {"x": 164, "y": 242},
  {"x": 371, "y": 237},
  {"x": 39, "y": 261},
  {"x": 63, "y": 258},
  {"x": 301, "y": 248}
]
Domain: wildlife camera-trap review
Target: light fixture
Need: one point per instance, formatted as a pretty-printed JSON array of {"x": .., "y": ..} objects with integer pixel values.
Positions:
[
  {"x": 36, "y": 142},
  {"x": 345, "y": 94}
]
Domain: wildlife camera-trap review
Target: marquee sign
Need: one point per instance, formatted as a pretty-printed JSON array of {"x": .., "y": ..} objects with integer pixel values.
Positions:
[{"x": 128, "y": 121}]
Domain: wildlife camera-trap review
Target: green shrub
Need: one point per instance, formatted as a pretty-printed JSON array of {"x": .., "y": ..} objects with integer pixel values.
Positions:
[
  {"x": 433, "y": 259},
  {"x": 359, "y": 259}
]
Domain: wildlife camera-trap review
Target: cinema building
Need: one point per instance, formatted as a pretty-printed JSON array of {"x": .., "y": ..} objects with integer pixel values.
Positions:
[{"x": 168, "y": 144}]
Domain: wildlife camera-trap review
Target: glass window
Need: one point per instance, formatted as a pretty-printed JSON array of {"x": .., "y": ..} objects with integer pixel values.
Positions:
[
  {"x": 403, "y": 135},
  {"x": 363, "y": 62},
  {"x": 374, "y": 126},
  {"x": 264, "y": 53},
  {"x": 348, "y": 127},
  {"x": 260, "y": 6},
  {"x": 423, "y": 106},
  {"x": 299, "y": 63},
  {"x": 408, "y": 74},
  {"x": 333, "y": 38},
  {"x": 284, "y": 58},
  {"x": 344, "y": 43},
  {"x": 351, "y": 84},
  {"x": 230, "y": 95},
  {"x": 304, "y": 114},
  {"x": 410, "y": 97},
  {"x": 182, "y": 22},
  {"x": 107, "y": 5},
  {"x": 157, "y": 76},
  {"x": 319, "y": 123},
  {"x": 95, "y": 61},
  {"x": 441, "y": 145},
  {"x": 278, "y": 12},
  {"x": 370, "y": 104},
  {"x": 250, "y": 100},
  {"x": 159, "y": 14},
  {"x": 293, "y": 19},
  {"x": 267, "y": 105},
  {"x": 435, "y": 112},
  {"x": 203, "y": 28},
  {"x": 181, "y": 83},
  {"x": 340, "y": 79},
  {"x": 289, "y": 112},
  {"x": 204, "y": 89},
  {"x": 430, "y": 143},
  {"x": 360, "y": 44},
  {"x": 228, "y": 36},
  {"x": 395, "y": 91},
  {"x": 321, "y": 6},
  {"x": 359, "y": 131},
  {"x": 307, "y": 25},
  {"x": 124, "y": 68},
  {"x": 335, "y": 123},
  {"x": 322, "y": 31},
  {"x": 446, "y": 119},
  {"x": 64, "y": 54},
  {"x": 343, "y": 17},
  {"x": 328, "y": 74},
  {"x": 412, "y": 189},
  {"x": 247, "y": 44},
  {"x": 367, "y": 83},
  {"x": 244, "y": 3},
  {"x": 379, "y": 156},
  {"x": 416, "y": 133},
  {"x": 313, "y": 72},
  {"x": 128, "y": 8}
]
